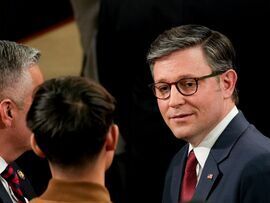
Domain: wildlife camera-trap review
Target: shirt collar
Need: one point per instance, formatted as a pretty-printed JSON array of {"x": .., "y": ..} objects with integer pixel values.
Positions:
[
  {"x": 202, "y": 150},
  {"x": 3, "y": 164}
]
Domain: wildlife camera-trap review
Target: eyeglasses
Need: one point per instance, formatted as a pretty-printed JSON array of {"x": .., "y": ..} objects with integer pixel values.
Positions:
[{"x": 185, "y": 86}]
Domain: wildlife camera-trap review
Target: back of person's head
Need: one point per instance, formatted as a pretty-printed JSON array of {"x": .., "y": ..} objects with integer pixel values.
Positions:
[
  {"x": 217, "y": 48},
  {"x": 15, "y": 59},
  {"x": 70, "y": 117}
]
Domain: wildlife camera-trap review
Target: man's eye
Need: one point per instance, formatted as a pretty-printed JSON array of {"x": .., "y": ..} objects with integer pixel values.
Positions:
[
  {"x": 163, "y": 88},
  {"x": 189, "y": 83}
]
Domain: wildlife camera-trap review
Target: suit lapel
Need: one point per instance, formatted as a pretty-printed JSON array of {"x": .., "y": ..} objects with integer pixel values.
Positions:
[
  {"x": 219, "y": 152},
  {"x": 208, "y": 177},
  {"x": 4, "y": 196},
  {"x": 25, "y": 185},
  {"x": 177, "y": 175}
]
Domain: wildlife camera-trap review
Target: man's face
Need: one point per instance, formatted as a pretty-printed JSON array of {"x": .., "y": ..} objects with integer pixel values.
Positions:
[
  {"x": 23, "y": 133},
  {"x": 189, "y": 117}
]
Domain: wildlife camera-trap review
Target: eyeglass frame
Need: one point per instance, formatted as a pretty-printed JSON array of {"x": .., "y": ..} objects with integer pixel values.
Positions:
[{"x": 196, "y": 79}]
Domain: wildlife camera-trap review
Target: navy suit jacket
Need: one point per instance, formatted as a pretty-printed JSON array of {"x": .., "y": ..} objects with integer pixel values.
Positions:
[
  {"x": 26, "y": 188},
  {"x": 237, "y": 168}
]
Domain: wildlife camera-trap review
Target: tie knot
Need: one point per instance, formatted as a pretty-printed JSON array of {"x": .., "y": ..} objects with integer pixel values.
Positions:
[{"x": 191, "y": 162}]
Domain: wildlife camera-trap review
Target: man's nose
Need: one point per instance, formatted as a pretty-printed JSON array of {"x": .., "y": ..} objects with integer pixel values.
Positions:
[{"x": 176, "y": 98}]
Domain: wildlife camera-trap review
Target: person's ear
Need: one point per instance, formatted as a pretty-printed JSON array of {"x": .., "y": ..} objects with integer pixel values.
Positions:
[
  {"x": 36, "y": 148},
  {"x": 111, "y": 144},
  {"x": 229, "y": 79},
  {"x": 112, "y": 138},
  {"x": 7, "y": 112}
]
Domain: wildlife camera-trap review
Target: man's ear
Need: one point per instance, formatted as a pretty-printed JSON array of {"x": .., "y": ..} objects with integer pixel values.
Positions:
[
  {"x": 36, "y": 148},
  {"x": 229, "y": 80},
  {"x": 112, "y": 138},
  {"x": 7, "y": 108}
]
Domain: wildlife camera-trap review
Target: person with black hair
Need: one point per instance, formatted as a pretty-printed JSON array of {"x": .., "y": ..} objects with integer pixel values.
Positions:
[{"x": 72, "y": 123}]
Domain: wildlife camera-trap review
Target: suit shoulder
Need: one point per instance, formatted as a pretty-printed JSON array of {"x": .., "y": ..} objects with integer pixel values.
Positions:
[
  {"x": 258, "y": 165},
  {"x": 256, "y": 140}
]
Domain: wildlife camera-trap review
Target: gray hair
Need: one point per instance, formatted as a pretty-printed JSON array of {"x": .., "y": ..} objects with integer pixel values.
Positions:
[
  {"x": 15, "y": 79},
  {"x": 217, "y": 48}
]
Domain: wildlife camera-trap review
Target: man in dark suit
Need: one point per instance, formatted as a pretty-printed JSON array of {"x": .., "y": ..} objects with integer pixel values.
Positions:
[
  {"x": 19, "y": 76},
  {"x": 194, "y": 82},
  {"x": 126, "y": 29}
]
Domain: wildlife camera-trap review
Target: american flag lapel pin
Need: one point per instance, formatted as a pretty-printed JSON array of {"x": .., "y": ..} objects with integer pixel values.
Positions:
[{"x": 210, "y": 176}]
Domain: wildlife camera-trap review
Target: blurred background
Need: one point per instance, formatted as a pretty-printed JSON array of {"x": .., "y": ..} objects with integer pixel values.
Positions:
[{"x": 46, "y": 25}]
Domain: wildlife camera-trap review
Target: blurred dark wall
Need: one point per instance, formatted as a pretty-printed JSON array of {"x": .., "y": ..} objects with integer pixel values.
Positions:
[{"x": 19, "y": 19}]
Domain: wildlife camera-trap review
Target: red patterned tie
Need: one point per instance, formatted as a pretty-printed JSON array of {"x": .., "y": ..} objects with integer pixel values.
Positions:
[
  {"x": 189, "y": 179},
  {"x": 11, "y": 177}
]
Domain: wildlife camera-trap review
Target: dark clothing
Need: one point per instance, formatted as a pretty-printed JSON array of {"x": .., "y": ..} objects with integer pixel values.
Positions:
[
  {"x": 238, "y": 174},
  {"x": 25, "y": 185},
  {"x": 36, "y": 169}
]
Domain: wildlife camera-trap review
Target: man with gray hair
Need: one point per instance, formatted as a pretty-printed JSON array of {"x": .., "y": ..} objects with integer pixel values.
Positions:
[
  {"x": 226, "y": 159},
  {"x": 19, "y": 76}
]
